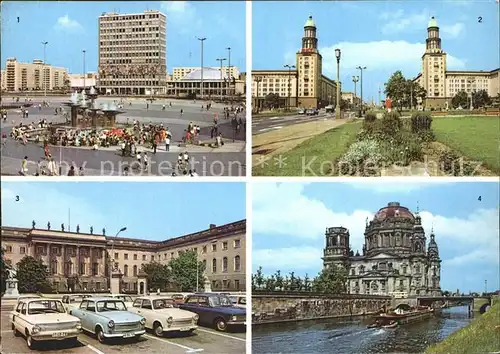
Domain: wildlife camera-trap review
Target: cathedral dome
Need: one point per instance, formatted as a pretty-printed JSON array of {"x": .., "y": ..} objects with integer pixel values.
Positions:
[{"x": 393, "y": 209}]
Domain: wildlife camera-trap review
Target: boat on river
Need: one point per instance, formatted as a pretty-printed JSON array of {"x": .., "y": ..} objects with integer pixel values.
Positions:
[{"x": 403, "y": 314}]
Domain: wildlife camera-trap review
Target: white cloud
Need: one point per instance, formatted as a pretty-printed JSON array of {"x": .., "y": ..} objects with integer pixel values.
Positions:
[
  {"x": 182, "y": 16},
  {"x": 282, "y": 210},
  {"x": 383, "y": 55},
  {"x": 64, "y": 23},
  {"x": 391, "y": 186},
  {"x": 286, "y": 259},
  {"x": 400, "y": 23},
  {"x": 47, "y": 203},
  {"x": 452, "y": 31}
]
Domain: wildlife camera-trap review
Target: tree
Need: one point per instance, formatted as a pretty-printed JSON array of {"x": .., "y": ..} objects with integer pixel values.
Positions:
[
  {"x": 270, "y": 283},
  {"x": 272, "y": 100},
  {"x": 259, "y": 278},
  {"x": 4, "y": 274},
  {"x": 158, "y": 275},
  {"x": 344, "y": 104},
  {"x": 403, "y": 92},
  {"x": 183, "y": 271},
  {"x": 292, "y": 282},
  {"x": 307, "y": 283},
  {"x": 480, "y": 99},
  {"x": 331, "y": 280},
  {"x": 279, "y": 280},
  {"x": 460, "y": 99},
  {"x": 33, "y": 275}
]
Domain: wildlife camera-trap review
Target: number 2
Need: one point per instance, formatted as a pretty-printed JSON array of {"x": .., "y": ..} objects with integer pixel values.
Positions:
[{"x": 480, "y": 19}]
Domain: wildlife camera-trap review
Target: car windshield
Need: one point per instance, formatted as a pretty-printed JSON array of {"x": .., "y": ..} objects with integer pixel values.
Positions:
[
  {"x": 219, "y": 301},
  {"x": 116, "y": 305},
  {"x": 45, "y": 306},
  {"x": 76, "y": 298},
  {"x": 162, "y": 303}
]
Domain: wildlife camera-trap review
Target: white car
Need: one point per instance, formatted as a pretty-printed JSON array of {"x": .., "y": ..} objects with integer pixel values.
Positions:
[
  {"x": 44, "y": 319},
  {"x": 127, "y": 299},
  {"x": 161, "y": 315},
  {"x": 73, "y": 300},
  {"x": 239, "y": 300}
]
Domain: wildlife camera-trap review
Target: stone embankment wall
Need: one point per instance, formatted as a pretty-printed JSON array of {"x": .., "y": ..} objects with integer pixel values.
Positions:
[{"x": 286, "y": 307}]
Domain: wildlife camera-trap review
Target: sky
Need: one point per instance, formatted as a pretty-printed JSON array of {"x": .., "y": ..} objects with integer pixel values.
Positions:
[
  {"x": 289, "y": 222},
  {"x": 384, "y": 36},
  {"x": 71, "y": 27},
  {"x": 151, "y": 211}
]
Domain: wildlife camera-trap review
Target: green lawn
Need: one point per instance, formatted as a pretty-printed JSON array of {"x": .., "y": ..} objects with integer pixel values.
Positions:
[
  {"x": 475, "y": 137},
  {"x": 479, "y": 337},
  {"x": 313, "y": 157}
]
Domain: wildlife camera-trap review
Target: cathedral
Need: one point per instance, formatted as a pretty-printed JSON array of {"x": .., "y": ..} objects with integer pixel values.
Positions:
[{"x": 395, "y": 259}]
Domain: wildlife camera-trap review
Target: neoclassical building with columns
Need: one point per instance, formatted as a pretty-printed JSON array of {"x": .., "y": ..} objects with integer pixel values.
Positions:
[
  {"x": 395, "y": 258},
  {"x": 87, "y": 255}
]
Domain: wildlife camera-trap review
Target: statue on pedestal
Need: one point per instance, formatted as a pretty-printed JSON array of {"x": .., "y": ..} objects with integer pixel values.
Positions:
[
  {"x": 11, "y": 290},
  {"x": 206, "y": 283},
  {"x": 48, "y": 225}
]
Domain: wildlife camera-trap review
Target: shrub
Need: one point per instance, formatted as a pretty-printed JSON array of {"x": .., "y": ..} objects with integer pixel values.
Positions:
[
  {"x": 420, "y": 122},
  {"x": 370, "y": 116},
  {"x": 360, "y": 157},
  {"x": 453, "y": 164},
  {"x": 390, "y": 124}
]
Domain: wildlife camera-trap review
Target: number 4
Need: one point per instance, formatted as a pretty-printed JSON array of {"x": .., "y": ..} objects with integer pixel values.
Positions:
[{"x": 479, "y": 198}]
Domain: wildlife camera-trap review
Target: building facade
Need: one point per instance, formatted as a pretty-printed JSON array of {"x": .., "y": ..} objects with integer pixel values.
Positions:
[
  {"x": 79, "y": 81},
  {"x": 217, "y": 83},
  {"x": 132, "y": 53},
  {"x": 395, "y": 257},
  {"x": 180, "y": 72},
  {"x": 87, "y": 256},
  {"x": 4, "y": 80},
  {"x": 442, "y": 85},
  {"x": 305, "y": 85},
  {"x": 35, "y": 76}
]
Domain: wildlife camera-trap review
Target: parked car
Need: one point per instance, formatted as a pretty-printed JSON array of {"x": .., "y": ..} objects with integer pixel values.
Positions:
[
  {"x": 330, "y": 108},
  {"x": 43, "y": 320},
  {"x": 301, "y": 111},
  {"x": 312, "y": 112},
  {"x": 239, "y": 301},
  {"x": 108, "y": 318},
  {"x": 21, "y": 298},
  {"x": 73, "y": 300},
  {"x": 215, "y": 310},
  {"x": 162, "y": 316},
  {"x": 127, "y": 299}
]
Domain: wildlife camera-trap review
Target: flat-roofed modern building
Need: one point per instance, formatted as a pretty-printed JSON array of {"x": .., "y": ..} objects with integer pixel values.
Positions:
[
  {"x": 180, "y": 72},
  {"x": 35, "y": 76},
  {"x": 87, "y": 255},
  {"x": 132, "y": 53}
]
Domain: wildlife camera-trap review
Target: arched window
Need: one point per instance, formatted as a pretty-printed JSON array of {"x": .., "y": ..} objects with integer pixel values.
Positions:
[
  {"x": 224, "y": 264},
  {"x": 214, "y": 265},
  {"x": 135, "y": 271},
  {"x": 125, "y": 270},
  {"x": 237, "y": 264}
]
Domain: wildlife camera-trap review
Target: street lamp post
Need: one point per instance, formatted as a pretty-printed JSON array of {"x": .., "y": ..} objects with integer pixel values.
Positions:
[
  {"x": 337, "y": 108},
  {"x": 361, "y": 68},
  {"x": 201, "y": 66},
  {"x": 470, "y": 82},
  {"x": 290, "y": 67},
  {"x": 43, "y": 82},
  {"x": 258, "y": 79},
  {"x": 221, "y": 60},
  {"x": 229, "y": 69},
  {"x": 112, "y": 257},
  {"x": 355, "y": 79},
  {"x": 83, "y": 51}
]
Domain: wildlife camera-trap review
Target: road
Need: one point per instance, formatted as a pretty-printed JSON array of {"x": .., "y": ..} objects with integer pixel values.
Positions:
[
  {"x": 230, "y": 161},
  {"x": 263, "y": 125},
  {"x": 204, "y": 340}
]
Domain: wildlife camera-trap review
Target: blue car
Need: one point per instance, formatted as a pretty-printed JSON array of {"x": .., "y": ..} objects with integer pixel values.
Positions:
[
  {"x": 215, "y": 310},
  {"x": 108, "y": 318}
]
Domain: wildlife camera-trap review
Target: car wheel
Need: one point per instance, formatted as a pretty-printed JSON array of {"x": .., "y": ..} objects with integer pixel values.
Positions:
[
  {"x": 30, "y": 342},
  {"x": 158, "y": 330},
  {"x": 100, "y": 336},
  {"x": 220, "y": 324}
]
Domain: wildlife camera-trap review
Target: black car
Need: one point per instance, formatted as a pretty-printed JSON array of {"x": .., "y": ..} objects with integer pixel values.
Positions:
[
  {"x": 215, "y": 310},
  {"x": 312, "y": 112}
]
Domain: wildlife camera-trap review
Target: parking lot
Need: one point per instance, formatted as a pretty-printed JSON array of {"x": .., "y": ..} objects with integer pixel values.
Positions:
[{"x": 204, "y": 340}]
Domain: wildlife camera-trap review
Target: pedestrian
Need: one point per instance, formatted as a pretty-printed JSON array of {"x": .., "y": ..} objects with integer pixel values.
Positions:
[
  {"x": 123, "y": 147},
  {"x": 71, "y": 171},
  {"x": 167, "y": 142},
  {"x": 81, "y": 171},
  {"x": 139, "y": 159},
  {"x": 155, "y": 143},
  {"x": 145, "y": 158},
  {"x": 24, "y": 166}
]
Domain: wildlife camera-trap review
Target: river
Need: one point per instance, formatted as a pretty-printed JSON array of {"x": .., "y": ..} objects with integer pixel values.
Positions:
[{"x": 344, "y": 336}]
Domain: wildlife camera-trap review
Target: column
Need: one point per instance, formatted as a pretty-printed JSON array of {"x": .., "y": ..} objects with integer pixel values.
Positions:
[
  {"x": 63, "y": 253},
  {"x": 78, "y": 260}
]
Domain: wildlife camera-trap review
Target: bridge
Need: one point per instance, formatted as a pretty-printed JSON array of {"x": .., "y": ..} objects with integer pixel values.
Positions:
[{"x": 475, "y": 304}]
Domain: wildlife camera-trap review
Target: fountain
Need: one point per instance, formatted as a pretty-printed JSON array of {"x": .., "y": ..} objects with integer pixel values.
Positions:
[
  {"x": 74, "y": 104},
  {"x": 110, "y": 112}
]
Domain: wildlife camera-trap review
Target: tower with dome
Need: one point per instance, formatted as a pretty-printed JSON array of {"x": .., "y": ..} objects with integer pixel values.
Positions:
[{"x": 395, "y": 259}]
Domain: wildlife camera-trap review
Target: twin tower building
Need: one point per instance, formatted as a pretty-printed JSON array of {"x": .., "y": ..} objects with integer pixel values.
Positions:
[{"x": 395, "y": 256}]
